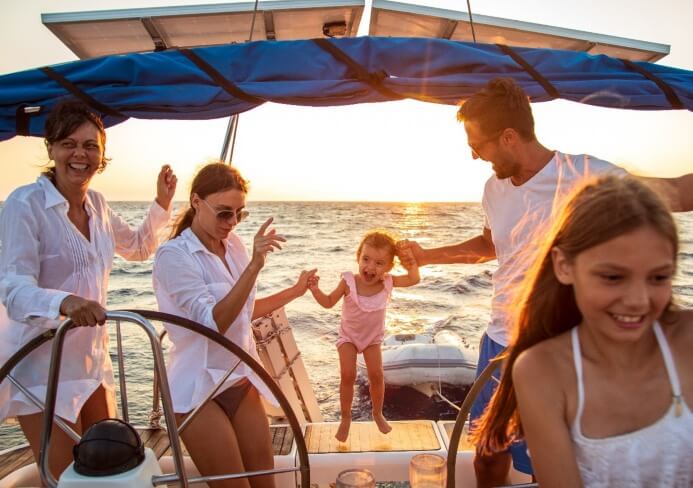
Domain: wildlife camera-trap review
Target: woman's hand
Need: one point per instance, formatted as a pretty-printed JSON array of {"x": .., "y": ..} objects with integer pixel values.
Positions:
[
  {"x": 165, "y": 187},
  {"x": 304, "y": 281},
  {"x": 82, "y": 311},
  {"x": 264, "y": 242}
]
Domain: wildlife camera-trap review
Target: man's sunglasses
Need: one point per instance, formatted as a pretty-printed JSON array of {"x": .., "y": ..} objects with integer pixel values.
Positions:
[{"x": 479, "y": 145}]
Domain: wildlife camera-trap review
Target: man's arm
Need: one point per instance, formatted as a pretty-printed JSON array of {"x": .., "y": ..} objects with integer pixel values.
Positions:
[
  {"x": 677, "y": 192},
  {"x": 478, "y": 249}
]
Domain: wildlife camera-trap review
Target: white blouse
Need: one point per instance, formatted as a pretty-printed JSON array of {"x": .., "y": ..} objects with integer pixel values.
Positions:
[
  {"x": 189, "y": 280},
  {"x": 43, "y": 259}
]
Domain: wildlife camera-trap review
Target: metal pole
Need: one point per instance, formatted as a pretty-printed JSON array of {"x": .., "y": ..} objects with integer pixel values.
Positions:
[
  {"x": 171, "y": 478},
  {"x": 60, "y": 422},
  {"x": 121, "y": 374},
  {"x": 155, "y": 414},
  {"x": 229, "y": 140},
  {"x": 209, "y": 395},
  {"x": 52, "y": 387}
]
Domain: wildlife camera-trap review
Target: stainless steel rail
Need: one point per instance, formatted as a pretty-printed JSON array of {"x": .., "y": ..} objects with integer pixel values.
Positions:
[
  {"x": 121, "y": 374},
  {"x": 159, "y": 368},
  {"x": 60, "y": 422}
]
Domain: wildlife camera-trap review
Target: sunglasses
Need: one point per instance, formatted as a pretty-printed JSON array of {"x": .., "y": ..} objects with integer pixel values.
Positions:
[
  {"x": 238, "y": 215},
  {"x": 478, "y": 145}
]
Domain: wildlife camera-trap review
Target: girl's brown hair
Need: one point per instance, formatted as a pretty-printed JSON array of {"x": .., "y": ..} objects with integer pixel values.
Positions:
[
  {"x": 65, "y": 118},
  {"x": 212, "y": 178},
  {"x": 379, "y": 239},
  {"x": 598, "y": 211}
]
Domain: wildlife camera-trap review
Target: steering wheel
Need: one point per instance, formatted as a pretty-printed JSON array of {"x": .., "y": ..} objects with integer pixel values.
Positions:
[{"x": 188, "y": 324}]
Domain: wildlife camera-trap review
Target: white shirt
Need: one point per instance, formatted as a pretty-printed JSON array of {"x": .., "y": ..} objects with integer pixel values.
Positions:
[
  {"x": 189, "y": 280},
  {"x": 43, "y": 259},
  {"x": 515, "y": 214},
  {"x": 655, "y": 456}
]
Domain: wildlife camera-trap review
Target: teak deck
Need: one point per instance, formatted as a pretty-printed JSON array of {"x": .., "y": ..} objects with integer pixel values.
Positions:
[{"x": 365, "y": 437}]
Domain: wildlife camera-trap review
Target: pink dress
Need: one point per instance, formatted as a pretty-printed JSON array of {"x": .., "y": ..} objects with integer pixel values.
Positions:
[{"x": 363, "y": 318}]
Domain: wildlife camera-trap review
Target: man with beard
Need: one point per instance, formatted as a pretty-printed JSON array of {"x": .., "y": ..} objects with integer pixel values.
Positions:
[{"x": 519, "y": 201}]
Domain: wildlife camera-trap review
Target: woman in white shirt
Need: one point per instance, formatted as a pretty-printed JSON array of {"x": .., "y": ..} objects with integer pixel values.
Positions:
[
  {"x": 204, "y": 273},
  {"x": 58, "y": 240}
]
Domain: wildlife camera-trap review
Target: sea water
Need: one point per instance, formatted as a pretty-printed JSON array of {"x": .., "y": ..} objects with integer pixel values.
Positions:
[{"x": 325, "y": 235}]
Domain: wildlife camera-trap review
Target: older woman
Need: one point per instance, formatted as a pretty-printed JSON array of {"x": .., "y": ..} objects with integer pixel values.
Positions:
[
  {"x": 204, "y": 273},
  {"x": 58, "y": 241}
]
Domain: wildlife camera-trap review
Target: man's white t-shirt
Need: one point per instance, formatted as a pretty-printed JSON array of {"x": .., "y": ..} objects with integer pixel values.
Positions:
[{"x": 515, "y": 214}]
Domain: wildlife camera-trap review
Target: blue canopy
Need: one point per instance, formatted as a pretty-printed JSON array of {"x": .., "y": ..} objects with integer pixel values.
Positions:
[{"x": 213, "y": 82}]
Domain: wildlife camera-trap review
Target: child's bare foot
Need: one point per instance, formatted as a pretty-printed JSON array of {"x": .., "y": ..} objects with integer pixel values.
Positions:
[
  {"x": 343, "y": 430},
  {"x": 382, "y": 424}
]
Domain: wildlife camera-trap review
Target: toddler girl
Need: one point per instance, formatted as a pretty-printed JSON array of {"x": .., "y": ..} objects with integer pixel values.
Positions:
[{"x": 366, "y": 296}]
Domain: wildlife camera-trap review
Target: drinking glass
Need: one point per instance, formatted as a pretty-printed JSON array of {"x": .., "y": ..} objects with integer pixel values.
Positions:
[
  {"x": 355, "y": 478},
  {"x": 427, "y": 471}
]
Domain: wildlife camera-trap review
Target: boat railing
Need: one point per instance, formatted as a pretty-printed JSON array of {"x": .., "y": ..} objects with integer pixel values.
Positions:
[
  {"x": 159, "y": 368},
  {"x": 155, "y": 414},
  {"x": 462, "y": 415}
]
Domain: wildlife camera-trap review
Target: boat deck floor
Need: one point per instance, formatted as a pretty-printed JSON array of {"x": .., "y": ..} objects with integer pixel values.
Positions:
[
  {"x": 155, "y": 439},
  {"x": 363, "y": 437}
]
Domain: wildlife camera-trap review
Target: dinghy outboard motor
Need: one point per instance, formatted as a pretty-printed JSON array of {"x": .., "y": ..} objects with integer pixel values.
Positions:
[{"x": 111, "y": 454}]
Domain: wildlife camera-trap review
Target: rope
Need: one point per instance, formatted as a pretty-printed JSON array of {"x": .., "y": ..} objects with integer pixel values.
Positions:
[
  {"x": 271, "y": 336},
  {"x": 252, "y": 24},
  {"x": 471, "y": 21},
  {"x": 287, "y": 366},
  {"x": 154, "y": 419},
  {"x": 446, "y": 400}
]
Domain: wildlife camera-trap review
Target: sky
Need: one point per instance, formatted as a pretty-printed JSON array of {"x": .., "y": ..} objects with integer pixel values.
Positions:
[{"x": 395, "y": 151}]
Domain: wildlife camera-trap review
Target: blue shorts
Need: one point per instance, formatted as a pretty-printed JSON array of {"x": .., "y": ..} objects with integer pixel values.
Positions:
[{"x": 488, "y": 350}]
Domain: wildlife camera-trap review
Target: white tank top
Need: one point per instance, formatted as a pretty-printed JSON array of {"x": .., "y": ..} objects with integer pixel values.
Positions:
[{"x": 659, "y": 455}]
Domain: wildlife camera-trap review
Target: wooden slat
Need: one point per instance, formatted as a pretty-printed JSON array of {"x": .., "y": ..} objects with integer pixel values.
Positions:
[
  {"x": 365, "y": 437},
  {"x": 15, "y": 459},
  {"x": 272, "y": 359},
  {"x": 282, "y": 439},
  {"x": 298, "y": 368},
  {"x": 464, "y": 444}
]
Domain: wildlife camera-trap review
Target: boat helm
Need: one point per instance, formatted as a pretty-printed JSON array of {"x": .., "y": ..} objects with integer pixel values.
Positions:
[{"x": 108, "y": 447}]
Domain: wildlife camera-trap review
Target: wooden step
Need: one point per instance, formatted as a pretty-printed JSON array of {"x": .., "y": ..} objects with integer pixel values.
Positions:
[{"x": 365, "y": 437}]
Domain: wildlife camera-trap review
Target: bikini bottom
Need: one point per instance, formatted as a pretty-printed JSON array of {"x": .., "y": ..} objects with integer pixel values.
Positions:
[{"x": 230, "y": 399}]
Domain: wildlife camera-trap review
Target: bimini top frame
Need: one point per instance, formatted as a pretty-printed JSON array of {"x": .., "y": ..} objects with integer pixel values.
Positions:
[
  {"x": 395, "y": 19},
  {"x": 104, "y": 32}
]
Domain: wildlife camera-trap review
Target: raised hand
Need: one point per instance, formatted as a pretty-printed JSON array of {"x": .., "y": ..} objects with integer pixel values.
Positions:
[
  {"x": 165, "y": 186},
  {"x": 264, "y": 242},
  {"x": 409, "y": 252},
  {"x": 313, "y": 282},
  {"x": 82, "y": 311},
  {"x": 304, "y": 280},
  {"x": 406, "y": 256}
]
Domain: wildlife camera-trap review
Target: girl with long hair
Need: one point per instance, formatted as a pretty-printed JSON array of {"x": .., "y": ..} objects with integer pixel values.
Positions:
[{"x": 602, "y": 374}]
